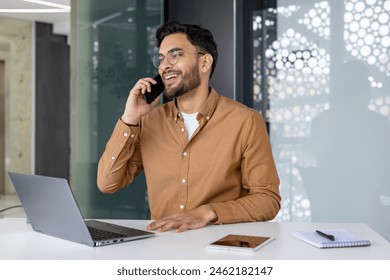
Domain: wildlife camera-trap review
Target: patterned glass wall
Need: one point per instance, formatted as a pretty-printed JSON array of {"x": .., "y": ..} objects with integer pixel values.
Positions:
[{"x": 322, "y": 71}]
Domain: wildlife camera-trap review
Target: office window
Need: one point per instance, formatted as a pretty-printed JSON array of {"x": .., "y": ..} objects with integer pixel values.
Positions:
[
  {"x": 321, "y": 76},
  {"x": 112, "y": 45}
]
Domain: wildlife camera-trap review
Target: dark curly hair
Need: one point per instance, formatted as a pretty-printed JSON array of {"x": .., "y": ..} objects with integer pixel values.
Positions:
[{"x": 198, "y": 36}]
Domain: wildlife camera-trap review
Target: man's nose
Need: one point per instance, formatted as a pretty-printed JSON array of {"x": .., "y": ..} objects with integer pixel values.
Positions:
[{"x": 164, "y": 64}]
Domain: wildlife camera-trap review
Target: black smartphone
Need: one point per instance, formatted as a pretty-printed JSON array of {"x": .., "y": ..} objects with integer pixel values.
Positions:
[{"x": 157, "y": 89}]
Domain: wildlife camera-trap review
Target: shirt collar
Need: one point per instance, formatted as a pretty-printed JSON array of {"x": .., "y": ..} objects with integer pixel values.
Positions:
[
  {"x": 207, "y": 109},
  {"x": 209, "y": 105}
]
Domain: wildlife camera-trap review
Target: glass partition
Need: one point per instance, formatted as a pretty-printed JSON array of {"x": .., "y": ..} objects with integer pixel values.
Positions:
[
  {"x": 112, "y": 42},
  {"x": 322, "y": 77}
]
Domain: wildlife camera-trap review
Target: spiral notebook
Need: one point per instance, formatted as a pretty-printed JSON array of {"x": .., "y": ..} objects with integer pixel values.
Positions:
[{"x": 342, "y": 239}]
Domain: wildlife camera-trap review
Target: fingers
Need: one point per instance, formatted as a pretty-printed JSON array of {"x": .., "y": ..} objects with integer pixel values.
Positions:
[
  {"x": 163, "y": 225},
  {"x": 183, "y": 227},
  {"x": 136, "y": 106},
  {"x": 180, "y": 222},
  {"x": 143, "y": 85}
]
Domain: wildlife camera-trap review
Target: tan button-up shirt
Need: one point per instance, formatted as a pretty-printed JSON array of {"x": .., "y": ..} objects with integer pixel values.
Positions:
[{"x": 227, "y": 163}]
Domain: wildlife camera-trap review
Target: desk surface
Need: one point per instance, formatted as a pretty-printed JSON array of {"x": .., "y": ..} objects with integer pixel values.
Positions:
[{"x": 19, "y": 242}]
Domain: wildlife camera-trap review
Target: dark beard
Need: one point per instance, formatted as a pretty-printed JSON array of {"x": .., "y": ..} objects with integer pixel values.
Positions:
[{"x": 189, "y": 81}]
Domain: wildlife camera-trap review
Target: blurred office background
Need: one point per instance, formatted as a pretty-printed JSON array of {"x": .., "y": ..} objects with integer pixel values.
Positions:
[{"x": 318, "y": 72}]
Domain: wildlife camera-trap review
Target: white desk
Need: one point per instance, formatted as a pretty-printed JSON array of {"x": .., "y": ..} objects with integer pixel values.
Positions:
[{"x": 19, "y": 242}]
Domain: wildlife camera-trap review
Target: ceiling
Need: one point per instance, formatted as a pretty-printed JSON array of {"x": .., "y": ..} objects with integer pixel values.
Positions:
[{"x": 42, "y": 11}]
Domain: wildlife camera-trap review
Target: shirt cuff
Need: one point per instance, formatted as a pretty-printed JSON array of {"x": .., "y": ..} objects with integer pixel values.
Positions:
[
  {"x": 130, "y": 125},
  {"x": 126, "y": 129}
]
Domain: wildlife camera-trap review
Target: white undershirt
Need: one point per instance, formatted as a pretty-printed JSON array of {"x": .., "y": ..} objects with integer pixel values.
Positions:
[{"x": 190, "y": 123}]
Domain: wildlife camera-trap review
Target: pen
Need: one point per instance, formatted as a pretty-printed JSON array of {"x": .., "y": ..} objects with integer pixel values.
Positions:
[{"x": 328, "y": 236}]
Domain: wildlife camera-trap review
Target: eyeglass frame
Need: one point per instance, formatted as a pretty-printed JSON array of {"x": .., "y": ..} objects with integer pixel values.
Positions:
[{"x": 159, "y": 58}]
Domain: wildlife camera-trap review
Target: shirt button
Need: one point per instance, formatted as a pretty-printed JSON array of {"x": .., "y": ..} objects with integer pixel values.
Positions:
[
  {"x": 182, "y": 130},
  {"x": 185, "y": 154},
  {"x": 125, "y": 134},
  {"x": 207, "y": 118},
  {"x": 183, "y": 181},
  {"x": 113, "y": 157},
  {"x": 181, "y": 206},
  {"x": 132, "y": 135}
]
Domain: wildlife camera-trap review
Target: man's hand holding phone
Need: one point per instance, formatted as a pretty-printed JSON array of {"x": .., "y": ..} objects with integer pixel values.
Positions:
[{"x": 136, "y": 105}]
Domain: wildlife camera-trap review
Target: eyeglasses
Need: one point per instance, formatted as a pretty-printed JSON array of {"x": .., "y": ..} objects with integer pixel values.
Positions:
[{"x": 172, "y": 57}]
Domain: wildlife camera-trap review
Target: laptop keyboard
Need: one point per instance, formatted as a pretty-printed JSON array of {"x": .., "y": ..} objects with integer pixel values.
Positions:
[{"x": 98, "y": 234}]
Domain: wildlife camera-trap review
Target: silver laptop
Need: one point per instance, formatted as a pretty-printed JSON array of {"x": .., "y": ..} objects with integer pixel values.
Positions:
[{"x": 51, "y": 209}]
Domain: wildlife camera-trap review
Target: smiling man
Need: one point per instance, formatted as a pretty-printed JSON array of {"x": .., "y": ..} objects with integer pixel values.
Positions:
[{"x": 207, "y": 159}]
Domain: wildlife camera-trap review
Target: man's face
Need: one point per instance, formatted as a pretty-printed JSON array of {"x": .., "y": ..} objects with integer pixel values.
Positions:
[{"x": 183, "y": 76}]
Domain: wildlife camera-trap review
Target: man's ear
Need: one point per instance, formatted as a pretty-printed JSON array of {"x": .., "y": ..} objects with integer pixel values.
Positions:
[{"x": 207, "y": 62}]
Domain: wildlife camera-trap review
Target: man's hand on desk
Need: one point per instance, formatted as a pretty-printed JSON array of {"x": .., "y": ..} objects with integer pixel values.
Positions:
[{"x": 194, "y": 219}]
